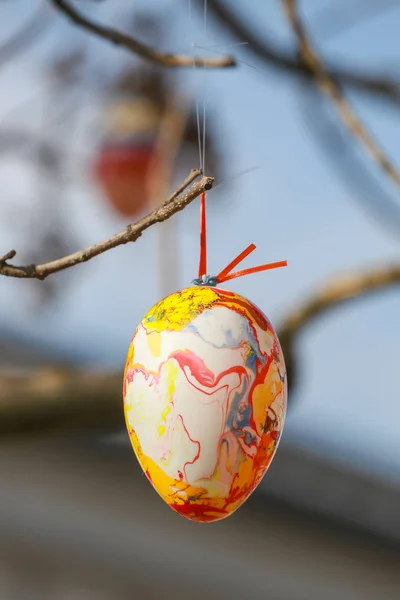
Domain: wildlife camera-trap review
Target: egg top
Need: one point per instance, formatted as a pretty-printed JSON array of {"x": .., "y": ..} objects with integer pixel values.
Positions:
[{"x": 205, "y": 399}]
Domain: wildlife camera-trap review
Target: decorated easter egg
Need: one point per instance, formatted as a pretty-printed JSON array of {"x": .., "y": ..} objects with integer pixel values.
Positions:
[{"x": 205, "y": 400}]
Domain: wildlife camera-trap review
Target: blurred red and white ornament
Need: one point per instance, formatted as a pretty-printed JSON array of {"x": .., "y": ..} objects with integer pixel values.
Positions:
[{"x": 123, "y": 162}]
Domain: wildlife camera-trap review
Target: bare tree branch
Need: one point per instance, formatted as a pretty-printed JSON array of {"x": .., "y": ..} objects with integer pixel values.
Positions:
[
  {"x": 331, "y": 295},
  {"x": 131, "y": 233},
  {"x": 365, "y": 190},
  {"x": 133, "y": 45},
  {"x": 338, "y": 291},
  {"x": 284, "y": 60},
  {"x": 333, "y": 91}
]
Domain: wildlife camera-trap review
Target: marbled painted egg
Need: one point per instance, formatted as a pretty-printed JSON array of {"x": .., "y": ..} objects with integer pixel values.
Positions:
[{"x": 205, "y": 400}]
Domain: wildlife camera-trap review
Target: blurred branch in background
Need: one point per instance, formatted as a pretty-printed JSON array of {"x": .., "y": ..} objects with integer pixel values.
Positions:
[
  {"x": 31, "y": 32},
  {"x": 292, "y": 64},
  {"x": 168, "y": 143},
  {"x": 22, "y": 140},
  {"x": 342, "y": 157},
  {"x": 331, "y": 295},
  {"x": 62, "y": 399},
  {"x": 130, "y": 233},
  {"x": 129, "y": 43},
  {"x": 159, "y": 180},
  {"x": 38, "y": 144},
  {"x": 53, "y": 399},
  {"x": 332, "y": 89},
  {"x": 340, "y": 17}
]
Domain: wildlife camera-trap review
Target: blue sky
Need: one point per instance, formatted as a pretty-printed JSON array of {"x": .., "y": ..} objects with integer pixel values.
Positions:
[{"x": 293, "y": 207}]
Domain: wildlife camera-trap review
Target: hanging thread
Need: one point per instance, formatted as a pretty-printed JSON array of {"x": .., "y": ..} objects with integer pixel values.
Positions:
[{"x": 226, "y": 274}]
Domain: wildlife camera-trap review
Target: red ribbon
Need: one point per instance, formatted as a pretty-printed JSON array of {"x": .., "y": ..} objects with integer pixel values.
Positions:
[{"x": 226, "y": 274}]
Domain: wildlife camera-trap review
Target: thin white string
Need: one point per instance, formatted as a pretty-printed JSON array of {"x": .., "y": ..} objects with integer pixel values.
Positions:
[
  {"x": 199, "y": 134},
  {"x": 231, "y": 177},
  {"x": 199, "y": 140},
  {"x": 204, "y": 136},
  {"x": 204, "y": 102}
]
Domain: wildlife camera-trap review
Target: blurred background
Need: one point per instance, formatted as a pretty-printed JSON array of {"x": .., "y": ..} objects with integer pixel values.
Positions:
[{"x": 87, "y": 146}]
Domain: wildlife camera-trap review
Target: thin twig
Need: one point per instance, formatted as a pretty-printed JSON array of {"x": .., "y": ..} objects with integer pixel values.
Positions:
[
  {"x": 332, "y": 90},
  {"x": 284, "y": 60},
  {"x": 8, "y": 256},
  {"x": 194, "y": 174},
  {"x": 131, "y": 233},
  {"x": 129, "y": 43}
]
